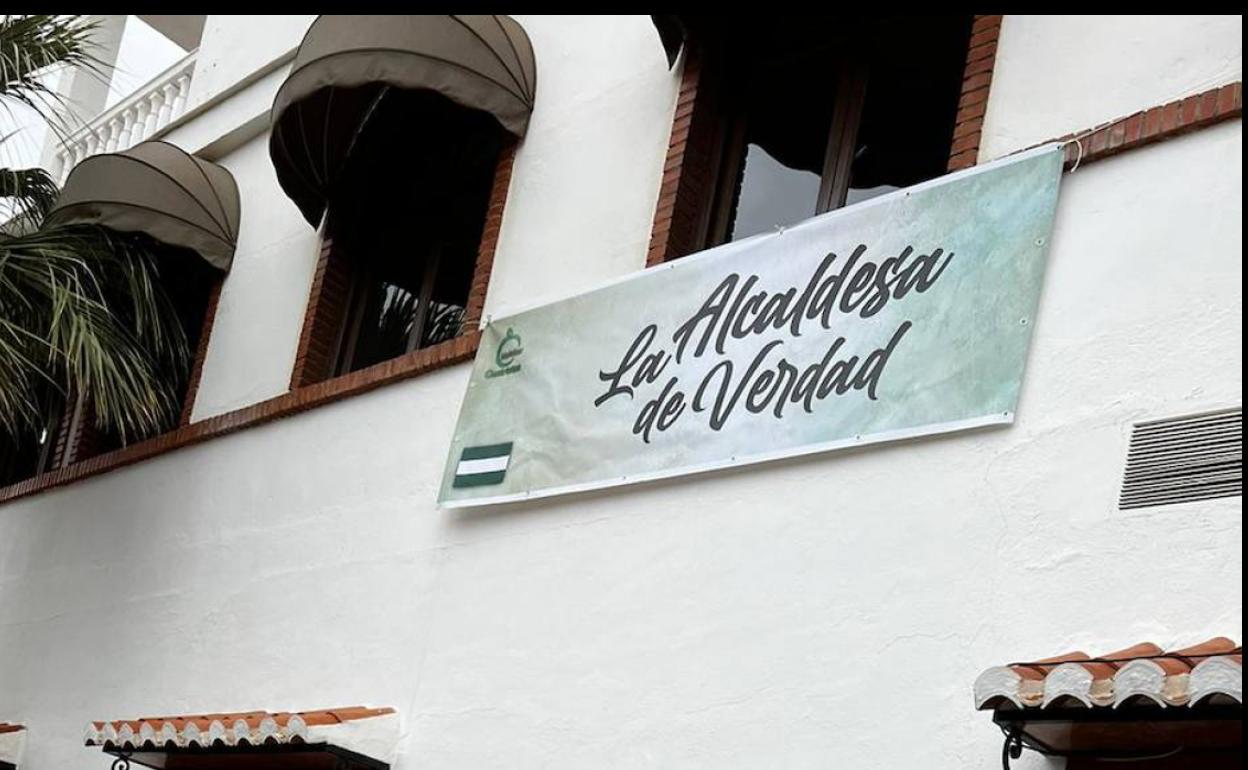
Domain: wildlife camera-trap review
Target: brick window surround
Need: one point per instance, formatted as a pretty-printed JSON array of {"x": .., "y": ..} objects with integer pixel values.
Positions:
[
  {"x": 327, "y": 299},
  {"x": 1141, "y": 129},
  {"x": 687, "y": 169}
]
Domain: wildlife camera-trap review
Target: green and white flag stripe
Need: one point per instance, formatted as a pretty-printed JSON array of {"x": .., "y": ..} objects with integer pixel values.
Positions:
[{"x": 482, "y": 465}]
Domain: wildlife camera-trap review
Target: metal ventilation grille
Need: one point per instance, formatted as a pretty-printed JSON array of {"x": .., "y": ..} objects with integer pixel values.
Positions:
[{"x": 1182, "y": 459}]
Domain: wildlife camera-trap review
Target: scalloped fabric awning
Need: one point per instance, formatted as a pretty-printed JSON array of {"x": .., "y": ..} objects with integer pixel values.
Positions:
[
  {"x": 481, "y": 62},
  {"x": 158, "y": 189},
  {"x": 1209, "y": 672}
]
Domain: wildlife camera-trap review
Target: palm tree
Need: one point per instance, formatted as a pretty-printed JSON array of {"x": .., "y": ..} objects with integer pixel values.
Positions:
[{"x": 81, "y": 308}]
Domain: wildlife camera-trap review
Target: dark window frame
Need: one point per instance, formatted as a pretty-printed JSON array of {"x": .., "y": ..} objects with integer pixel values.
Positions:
[{"x": 322, "y": 354}]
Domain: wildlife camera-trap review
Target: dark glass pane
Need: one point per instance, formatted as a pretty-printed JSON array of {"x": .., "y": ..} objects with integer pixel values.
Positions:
[
  {"x": 911, "y": 104},
  {"x": 783, "y": 102},
  {"x": 20, "y": 458},
  {"x": 408, "y": 219},
  {"x": 445, "y": 322},
  {"x": 389, "y": 313},
  {"x": 772, "y": 194},
  {"x": 31, "y": 452}
]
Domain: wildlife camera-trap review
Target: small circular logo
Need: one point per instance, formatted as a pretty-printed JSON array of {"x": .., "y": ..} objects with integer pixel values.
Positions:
[
  {"x": 506, "y": 354},
  {"x": 509, "y": 349}
]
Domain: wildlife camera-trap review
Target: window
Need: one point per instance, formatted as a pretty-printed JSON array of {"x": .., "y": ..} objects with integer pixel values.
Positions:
[
  {"x": 182, "y": 213},
  {"x": 402, "y": 233},
  {"x": 794, "y": 117},
  {"x": 188, "y": 283},
  {"x": 69, "y": 432}
]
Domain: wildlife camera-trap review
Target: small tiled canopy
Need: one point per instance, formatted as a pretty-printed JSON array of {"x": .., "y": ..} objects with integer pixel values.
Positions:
[
  {"x": 158, "y": 189},
  {"x": 345, "y": 64},
  {"x": 1211, "y": 671},
  {"x": 12, "y": 742},
  {"x": 1182, "y": 708},
  {"x": 368, "y": 732}
]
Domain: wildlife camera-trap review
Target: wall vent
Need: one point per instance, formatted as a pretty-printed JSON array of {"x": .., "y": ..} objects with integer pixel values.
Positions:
[{"x": 1182, "y": 459}]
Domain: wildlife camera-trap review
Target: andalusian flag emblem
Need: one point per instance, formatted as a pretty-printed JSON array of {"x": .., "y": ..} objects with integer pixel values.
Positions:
[{"x": 481, "y": 466}]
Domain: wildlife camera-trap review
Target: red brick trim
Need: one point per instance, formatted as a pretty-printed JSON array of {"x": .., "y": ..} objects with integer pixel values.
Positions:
[
  {"x": 327, "y": 299},
  {"x": 981, "y": 58},
  {"x": 672, "y": 226},
  {"x": 489, "y": 238},
  {"x": 1141, "y": 129},
  {"x": 418, "y": 362},
  {"x": 201, "y": 352},
  {"x": 1157, "y": 124}
]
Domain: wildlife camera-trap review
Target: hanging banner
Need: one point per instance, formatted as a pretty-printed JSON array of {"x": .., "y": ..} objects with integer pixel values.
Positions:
[{"x": 906, "y": 315}]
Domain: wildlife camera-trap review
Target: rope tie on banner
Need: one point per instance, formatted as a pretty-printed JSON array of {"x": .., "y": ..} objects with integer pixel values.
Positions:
[{"x": 1077, "y": 141}]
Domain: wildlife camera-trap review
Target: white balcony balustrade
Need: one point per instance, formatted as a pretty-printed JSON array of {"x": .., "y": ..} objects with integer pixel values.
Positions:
[{"x": 138, "y": 117}]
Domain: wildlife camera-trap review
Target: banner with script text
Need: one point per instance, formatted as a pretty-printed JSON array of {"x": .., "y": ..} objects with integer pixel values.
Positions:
[{"x": 906, "y": 315}]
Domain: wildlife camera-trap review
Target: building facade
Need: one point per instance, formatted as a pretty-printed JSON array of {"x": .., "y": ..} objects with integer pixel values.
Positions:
[{"x": 282, "y": 549}]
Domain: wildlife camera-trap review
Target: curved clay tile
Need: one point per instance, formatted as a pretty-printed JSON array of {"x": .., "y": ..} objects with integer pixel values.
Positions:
[
  {"x": 1217, "y": 678},
  {"x": 1211, "y": 669},
  {"x": 375, "y": 727}
]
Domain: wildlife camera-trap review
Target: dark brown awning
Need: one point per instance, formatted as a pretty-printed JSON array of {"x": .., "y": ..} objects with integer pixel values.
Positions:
[
  {"x": 483, "y": 62},
  {"x": 157, "y": 189}
]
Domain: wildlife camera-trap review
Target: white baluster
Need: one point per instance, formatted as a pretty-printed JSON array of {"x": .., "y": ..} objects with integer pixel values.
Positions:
[
  {"x": 108, "y": 135},
  {"x": 166, "y": 105},
  {"x": 114, "y": 137},
  {"x": 121, "y": 132},
  {"x": 93, "y": 141},
  {"x": 153, "y": 102},
  {"x": 183, "y": 84},
  {"x": 125, "y": 137},
  {"x": 139, "y": 132}
]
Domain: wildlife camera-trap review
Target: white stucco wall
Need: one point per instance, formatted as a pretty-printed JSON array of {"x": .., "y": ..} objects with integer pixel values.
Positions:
[
  {"x": 600, "y": 127},
  {"x": 824, "y": 612},
  {"x": 235, "y": 46},
  {"x": 251, "y": 351},
  {"x": 1056, "y": 74}
]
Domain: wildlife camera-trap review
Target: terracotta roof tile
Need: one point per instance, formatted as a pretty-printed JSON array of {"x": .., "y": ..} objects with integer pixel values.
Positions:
[
  {"x": 250, "y": 728},
  {"x": 1187, "y": 676}
]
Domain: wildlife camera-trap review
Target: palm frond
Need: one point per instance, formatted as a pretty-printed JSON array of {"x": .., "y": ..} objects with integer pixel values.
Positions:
[
  {"x": 33, "y": 45},
  {"x": 80, "y": 307},
  {"x": 27, "y": 195}
]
